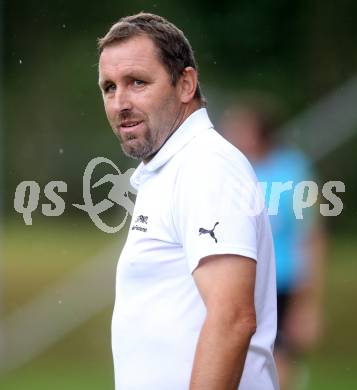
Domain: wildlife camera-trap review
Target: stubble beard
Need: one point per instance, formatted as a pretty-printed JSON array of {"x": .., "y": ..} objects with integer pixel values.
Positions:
[
  {"x": 139, "y": 150},
  {"x": 152, "y": 139}
]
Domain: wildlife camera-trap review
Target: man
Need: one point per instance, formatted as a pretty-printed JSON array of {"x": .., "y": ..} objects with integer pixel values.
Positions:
[
  {"x": 195, "y": 297},
  {"x": 249, "y": 123}
]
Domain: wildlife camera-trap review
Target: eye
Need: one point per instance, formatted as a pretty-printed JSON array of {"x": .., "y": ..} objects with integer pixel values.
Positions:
[
  {"x": 138, "y": 83},
  {"x": 109, "y": 88}
]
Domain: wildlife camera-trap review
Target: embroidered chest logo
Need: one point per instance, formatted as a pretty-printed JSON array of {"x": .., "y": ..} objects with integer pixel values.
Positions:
[
  {"x": 210, "y": 232},
  {"x": 141, "y": 220}
]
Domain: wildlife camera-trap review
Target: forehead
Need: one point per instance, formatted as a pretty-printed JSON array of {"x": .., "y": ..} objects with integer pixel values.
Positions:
[{"x": 136, "y": 53}]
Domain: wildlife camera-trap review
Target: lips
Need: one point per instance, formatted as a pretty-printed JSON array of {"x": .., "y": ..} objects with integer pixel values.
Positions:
[{"x": 129, "y": 126}]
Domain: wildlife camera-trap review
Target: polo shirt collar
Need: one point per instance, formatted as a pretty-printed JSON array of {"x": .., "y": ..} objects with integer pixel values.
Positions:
[{"x": 193, "y": 125}]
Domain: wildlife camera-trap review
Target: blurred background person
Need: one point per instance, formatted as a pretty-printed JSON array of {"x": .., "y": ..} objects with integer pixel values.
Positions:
[{"x": 250, "y": 124}]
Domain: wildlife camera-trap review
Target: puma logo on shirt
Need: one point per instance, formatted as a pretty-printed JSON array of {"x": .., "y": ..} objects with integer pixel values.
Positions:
[{"x": 211, "y": 232}]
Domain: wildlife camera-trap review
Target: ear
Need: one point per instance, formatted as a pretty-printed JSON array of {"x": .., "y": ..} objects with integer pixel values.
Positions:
[{"x": 187, "y": 84}]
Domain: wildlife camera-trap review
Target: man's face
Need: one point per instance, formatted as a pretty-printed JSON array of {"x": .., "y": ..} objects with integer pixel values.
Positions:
[{"x": 142, "y": 106}]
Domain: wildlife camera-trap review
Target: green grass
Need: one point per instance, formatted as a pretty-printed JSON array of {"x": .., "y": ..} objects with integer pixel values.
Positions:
[
  {"x": 52, "y": 374},
  {"x": 35, "y": 257}
]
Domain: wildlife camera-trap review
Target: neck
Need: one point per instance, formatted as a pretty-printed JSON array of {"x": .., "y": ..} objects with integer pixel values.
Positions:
[{"x": 183, "y": 113}]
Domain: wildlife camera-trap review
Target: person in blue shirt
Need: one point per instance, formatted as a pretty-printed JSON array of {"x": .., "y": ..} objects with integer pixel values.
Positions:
[{"x": 250, "y": 124}]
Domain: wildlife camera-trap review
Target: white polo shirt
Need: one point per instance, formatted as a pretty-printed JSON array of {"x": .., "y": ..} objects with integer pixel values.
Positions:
[{"x": 192, "y": 202}]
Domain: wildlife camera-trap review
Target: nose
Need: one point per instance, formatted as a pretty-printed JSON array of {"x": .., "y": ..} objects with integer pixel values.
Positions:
[{"x": 122, "y": 100}]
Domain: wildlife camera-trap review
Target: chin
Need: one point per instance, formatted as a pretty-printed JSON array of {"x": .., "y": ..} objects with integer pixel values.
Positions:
[{"x": 132, "y": 152}]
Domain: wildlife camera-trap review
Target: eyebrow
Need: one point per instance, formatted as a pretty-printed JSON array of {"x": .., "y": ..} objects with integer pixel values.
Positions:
[
  {"x": 130, "y": 75},
  {"x": 103, "y": 83},
  {"x": 135, "y": 74}
]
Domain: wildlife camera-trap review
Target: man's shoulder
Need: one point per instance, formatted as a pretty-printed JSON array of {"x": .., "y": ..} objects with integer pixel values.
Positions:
[{"x": 210, "y": 149}]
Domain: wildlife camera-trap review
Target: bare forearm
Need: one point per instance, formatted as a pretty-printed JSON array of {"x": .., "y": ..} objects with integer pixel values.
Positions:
[{"x": 220, "y": 356}]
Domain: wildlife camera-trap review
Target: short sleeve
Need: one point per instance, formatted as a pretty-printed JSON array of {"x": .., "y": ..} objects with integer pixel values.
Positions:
[{"x": 216, "y": 207}]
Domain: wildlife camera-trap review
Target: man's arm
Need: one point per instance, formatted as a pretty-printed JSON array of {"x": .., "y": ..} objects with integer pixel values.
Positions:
[{"x": 226, "y": 284}]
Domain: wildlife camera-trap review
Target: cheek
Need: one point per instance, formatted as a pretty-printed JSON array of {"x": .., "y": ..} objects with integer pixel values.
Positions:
[
  {"x": 164, "y": 105},
  {"x": 108, "y": 111}
]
